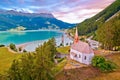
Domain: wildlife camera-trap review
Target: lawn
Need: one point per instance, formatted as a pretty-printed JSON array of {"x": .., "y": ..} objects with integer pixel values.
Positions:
[
  {"x": 64, "y": 50},
  {"x": 6, "y": 59},
  {"x": 59, "y": 67},
  {"x": 91, "y": 73}
]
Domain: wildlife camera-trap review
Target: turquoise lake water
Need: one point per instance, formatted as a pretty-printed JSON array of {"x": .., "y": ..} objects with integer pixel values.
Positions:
[{"x": 28, "y": 36}]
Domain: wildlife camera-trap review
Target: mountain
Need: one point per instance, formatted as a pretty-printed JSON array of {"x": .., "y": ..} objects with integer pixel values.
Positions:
[
  {"x": 92, "y": 24},
  {"x": 31, "y": 21}
]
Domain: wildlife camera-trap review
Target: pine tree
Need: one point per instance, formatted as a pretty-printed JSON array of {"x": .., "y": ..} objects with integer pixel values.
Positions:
[{"x": 35, "y": 66}]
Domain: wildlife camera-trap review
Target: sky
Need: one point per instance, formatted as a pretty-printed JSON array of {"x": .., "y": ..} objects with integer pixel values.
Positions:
[{"x": 71, "y": 11}]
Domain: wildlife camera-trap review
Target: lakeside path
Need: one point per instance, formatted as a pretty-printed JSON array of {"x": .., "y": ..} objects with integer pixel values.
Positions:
[
  {"x": 31, "y": 46},
  {"x": 10, "y": 50}
]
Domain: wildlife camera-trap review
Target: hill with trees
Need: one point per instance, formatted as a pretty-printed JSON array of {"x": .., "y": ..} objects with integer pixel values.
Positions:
[
  {"x": 109, "y": 34},
  {"x": 92, "y": 24}
]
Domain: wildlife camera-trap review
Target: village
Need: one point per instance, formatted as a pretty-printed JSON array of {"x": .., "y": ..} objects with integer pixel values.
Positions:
[{"x": 79, "y": 51}]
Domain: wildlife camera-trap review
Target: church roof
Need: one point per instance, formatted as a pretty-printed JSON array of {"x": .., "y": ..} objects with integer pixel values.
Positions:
[{"x": 82, "y": 47}]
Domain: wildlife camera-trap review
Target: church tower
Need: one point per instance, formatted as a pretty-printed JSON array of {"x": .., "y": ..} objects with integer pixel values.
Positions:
[
  {"x": 76, "y": 38},
  {"x": 81, "y": 51}
]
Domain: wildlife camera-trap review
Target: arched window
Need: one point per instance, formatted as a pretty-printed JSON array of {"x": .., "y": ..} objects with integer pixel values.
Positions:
[
  {"x": 75, "y": 55},
  {"x": 79, "y": 56},
  {"x": 85, "y": 58}
]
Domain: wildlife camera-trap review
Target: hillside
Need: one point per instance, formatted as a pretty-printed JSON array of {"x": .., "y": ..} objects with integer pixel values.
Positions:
[
  {"x": 31, "y": 21},
  {"x": 109, "y": 33},
  {"x": 92, "y": 24},
  {"x": 92, "y": 73},
  {"x": 6, "y": 59}
]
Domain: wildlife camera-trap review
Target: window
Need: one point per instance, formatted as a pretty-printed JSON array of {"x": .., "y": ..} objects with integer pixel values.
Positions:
[
  {"x": 85, "y": 57},
  {"x": 75, "y": 55},
  {"x": 79, "y": 56}
]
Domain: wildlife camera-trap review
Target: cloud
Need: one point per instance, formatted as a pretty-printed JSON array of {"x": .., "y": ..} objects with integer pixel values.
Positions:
[
  {"x": 79, "y": 13},
  {"x": 72, "y": 11}
]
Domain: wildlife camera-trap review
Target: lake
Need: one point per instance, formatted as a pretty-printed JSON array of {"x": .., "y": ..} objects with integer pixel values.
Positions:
[{"x": 27, "y": 36}]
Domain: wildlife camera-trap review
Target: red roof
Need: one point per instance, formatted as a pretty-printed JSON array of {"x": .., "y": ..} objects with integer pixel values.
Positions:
[{"x": 82, "y": 47}]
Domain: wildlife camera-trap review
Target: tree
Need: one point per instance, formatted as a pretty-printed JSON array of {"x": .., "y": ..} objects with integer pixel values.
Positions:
[
  {"x": 103, "y": 64},
  {"x": 109, "y": 34},
  {"x": 13, "y": 47},
  {"x": 1, "y": 45},
  {"x": 35, "y": 66},
  {"x": 20, "y": 49},
  {"x": 14, "y": 72}
]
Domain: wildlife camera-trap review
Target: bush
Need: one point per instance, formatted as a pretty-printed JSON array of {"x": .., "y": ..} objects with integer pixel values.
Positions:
[
  {"x": 24, "y": 50},
  {"x": 107, "y": 66},
  {"x": 61, "y": 44},
  {"x": 97, "y": 60},
  {"x": 66, "y": 44},
  {"x": 20, "y": 49},
  {"x": 13, "y": 47},
  {"x": 1, "y": 45},
  {"x": 103, "y": 64},
  {"x": 118, "y": 49}
]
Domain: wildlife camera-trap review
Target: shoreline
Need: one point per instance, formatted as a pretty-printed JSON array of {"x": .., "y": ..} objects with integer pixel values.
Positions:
[
  {"x": 24, "y": 45},
  {"x": 31, "y": 46},
  {"x": 33, "y": 30}
]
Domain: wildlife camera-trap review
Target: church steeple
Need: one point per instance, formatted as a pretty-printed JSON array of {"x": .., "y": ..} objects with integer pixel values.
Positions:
[
  {"x": 62, "y": 40},
  {"x": 76, "y": 38}
]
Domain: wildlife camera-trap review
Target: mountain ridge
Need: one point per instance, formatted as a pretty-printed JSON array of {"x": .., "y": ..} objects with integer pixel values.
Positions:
[{"x": 31, "y": 21}]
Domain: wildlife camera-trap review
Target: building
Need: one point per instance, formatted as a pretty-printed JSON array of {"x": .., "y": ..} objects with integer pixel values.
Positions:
[
  {"x": 81, "y": 51},
  {"x": 93, "y": 44}
]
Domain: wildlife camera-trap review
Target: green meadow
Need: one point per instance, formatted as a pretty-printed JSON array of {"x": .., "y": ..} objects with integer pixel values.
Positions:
[
  {"x": 6, "y": 58},
  {"x": 64, "y": 50}
]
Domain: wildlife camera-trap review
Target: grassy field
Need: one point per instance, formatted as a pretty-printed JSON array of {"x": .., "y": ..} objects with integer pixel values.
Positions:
[
  {"x": 64, "y": 50},
  {"x": 6, "y": 59},
  {"x": 91, "y": 73},
  {"x": 59, "y": 67}
]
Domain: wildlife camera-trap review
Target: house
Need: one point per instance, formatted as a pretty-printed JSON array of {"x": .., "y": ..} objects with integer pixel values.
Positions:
[
  {"x": 93, "y": 44},
  {"x": 81, "y": 51},
  {"x": 60, "y": 55}
]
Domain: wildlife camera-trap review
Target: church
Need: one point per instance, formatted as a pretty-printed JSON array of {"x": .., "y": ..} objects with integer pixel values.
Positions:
[{"x": 81, "y": 51}]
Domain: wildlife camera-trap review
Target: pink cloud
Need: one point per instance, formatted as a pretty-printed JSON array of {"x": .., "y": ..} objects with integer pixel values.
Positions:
[{"x": 83, "y": 11}]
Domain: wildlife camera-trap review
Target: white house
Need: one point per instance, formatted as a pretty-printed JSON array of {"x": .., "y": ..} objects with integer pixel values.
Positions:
[
  {"x": 93, "y": 44},
  {"x": 81, "y": 51}
]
